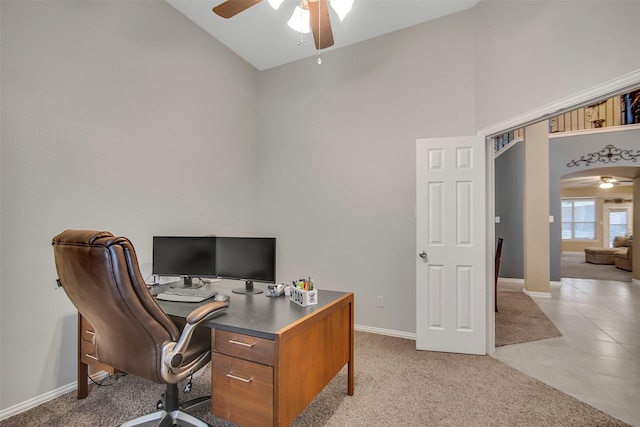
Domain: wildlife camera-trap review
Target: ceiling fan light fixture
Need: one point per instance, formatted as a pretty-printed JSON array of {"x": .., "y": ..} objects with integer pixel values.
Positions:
[
  {"x": 341, "y": 7},
  {"x": 606, "y": 185},
  {"x": 275, "y": 3},
  {"x": 299, "y": 20}
]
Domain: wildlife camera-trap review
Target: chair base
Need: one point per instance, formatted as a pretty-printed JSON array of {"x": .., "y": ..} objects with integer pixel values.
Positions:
[
  {"x": 163, "y": 418},
  {"x": 172, "y": 413}
]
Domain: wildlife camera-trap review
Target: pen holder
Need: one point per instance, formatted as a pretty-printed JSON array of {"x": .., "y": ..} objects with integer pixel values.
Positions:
[{"x": 304, "y": 298}]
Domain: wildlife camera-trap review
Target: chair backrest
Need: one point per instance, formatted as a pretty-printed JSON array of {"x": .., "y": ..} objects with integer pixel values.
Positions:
[
  {"x": 498, "y": 257},
  {"x": 100, "y": 274},
  {"x": 496, "y": 270}
]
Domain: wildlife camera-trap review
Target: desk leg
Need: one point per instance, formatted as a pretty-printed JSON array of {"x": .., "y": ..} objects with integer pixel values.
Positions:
[
  {"x": 350, "y": 368},
  {"x": 83, "y": 368},
  {"x": 83, "y": 386}
]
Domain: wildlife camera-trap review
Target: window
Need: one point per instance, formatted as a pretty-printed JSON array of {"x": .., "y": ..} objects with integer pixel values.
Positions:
[{"x": 578, "y": 219}]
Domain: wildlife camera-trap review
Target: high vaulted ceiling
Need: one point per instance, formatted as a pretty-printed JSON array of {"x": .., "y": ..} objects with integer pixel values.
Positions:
[{"x": 261, "y": 36}]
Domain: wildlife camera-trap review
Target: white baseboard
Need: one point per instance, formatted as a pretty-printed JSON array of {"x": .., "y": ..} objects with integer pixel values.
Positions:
[
  {"x": 508, "y": 284},
  {"x": 388, "y": 332},
  {"x": 538, "y": 294},
  {"x": 43, "y": 398},
  {"x": 635, "y": 281}
]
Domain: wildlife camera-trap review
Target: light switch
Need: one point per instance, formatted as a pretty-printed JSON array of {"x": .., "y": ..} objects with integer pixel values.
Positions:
[
  {"x": 550, "y": 218},
  {"x": 497, "y": 220}
]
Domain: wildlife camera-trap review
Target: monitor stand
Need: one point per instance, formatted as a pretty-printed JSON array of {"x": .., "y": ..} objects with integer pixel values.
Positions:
[
  {"x": 248, "y": 289},
  {"x": 186, "y": 282}
]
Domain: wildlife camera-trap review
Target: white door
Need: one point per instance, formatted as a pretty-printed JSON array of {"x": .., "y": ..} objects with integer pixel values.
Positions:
[{"x": 451, "y": 245}]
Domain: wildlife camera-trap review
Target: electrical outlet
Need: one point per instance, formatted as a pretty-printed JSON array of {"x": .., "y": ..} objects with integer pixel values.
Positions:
[{"x": 380, "y": 302}]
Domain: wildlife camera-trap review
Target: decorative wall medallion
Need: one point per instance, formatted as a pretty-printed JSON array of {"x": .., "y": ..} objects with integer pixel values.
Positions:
[{"x": 608, "y": 154}]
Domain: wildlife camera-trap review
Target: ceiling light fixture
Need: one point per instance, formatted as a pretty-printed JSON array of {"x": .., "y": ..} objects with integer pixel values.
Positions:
[
  {"x": 607, "y": 182},
  {"x": 308, "y": 16},
  {"x": 299, "y": 20}
]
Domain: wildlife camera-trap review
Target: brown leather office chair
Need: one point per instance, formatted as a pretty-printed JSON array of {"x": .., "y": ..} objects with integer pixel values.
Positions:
[{"x": 100, "y": 274}]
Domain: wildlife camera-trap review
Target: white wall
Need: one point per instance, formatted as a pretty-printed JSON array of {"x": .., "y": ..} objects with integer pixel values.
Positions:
[
  {"x": 122, "y": 116},
  {"x": 532, "y": 53},
  {"x": 338, "y": 143}
]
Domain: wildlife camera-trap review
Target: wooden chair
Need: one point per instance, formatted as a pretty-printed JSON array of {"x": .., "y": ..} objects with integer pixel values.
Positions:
[{"x": 497, "y": 269}]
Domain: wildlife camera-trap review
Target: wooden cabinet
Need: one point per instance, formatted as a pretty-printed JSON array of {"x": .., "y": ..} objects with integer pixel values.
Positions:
[
  {"x": 87, "y": 356},
  {"x": 242, "y": 375},
  {"x": 268, "y": 382}
]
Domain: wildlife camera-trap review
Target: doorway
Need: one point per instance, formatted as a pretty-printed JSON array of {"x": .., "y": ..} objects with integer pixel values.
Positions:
[{"x": 602, "y": 91}]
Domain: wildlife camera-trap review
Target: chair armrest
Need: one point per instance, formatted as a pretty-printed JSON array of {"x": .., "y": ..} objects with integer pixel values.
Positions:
[
  {"x": 173, "y": 352},
  {"x": 206, "y": 312}
]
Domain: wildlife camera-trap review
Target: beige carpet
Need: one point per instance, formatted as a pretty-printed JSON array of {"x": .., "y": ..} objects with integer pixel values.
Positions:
[
  {"x": 395, "y": 385},
  {"x": 519, "y": 319}
]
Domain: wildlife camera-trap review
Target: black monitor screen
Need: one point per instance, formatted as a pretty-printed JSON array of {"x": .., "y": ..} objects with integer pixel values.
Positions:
[
  {"x": 247, "y": 258},
  {"x": 184, "y": 256}
]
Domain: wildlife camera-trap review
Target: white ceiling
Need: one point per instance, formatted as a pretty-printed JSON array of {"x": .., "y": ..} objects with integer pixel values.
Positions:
[{"x": 261, "y": 36}]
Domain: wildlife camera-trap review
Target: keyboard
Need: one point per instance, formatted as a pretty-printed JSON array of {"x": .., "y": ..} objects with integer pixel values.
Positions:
[{"x": 187, "y": 294}]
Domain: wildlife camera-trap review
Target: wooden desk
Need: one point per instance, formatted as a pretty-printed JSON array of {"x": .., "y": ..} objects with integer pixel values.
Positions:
[
  {"x": 271, "y": 357},
  {"x": 87, "y": 357}
]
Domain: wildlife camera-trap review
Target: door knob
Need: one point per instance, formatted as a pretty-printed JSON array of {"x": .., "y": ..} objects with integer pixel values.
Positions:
[{"x": 423, "y": 254}]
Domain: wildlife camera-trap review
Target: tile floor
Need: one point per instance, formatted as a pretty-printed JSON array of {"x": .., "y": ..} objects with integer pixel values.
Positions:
[{"x": 597, "y": 360}]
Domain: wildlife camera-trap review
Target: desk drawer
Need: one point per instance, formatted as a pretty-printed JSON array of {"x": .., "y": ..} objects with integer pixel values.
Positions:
[
  {"x": 245, "y": 347},
  {"x": 86, "y": 330},
  {"x": 88, "y": 348},
  {"x": 242, "y": 391},
  {"x": 88, "y": 356}
]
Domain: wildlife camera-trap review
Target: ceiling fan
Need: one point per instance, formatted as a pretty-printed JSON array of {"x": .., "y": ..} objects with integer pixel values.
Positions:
[
  {"x": 607, "y": 182},
  {"x": 317, "y": 12}
]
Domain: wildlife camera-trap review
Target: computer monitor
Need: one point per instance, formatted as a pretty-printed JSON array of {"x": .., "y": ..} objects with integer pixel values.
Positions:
[
  {"x": 252, "y": 259},
  {"x": 184, "y": 256}
]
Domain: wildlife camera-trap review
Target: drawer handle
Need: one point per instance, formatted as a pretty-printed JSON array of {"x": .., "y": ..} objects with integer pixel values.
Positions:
[
  {"x": 235, "y": 377},
  {"x": 232, "y": 341},
  {"x": 90, "y": 332},
  {"x": 91, "y": 356}
]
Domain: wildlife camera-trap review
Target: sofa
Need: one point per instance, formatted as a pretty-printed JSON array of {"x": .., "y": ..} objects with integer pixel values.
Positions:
[
  {"x": 621, "y": 245},
  {"x": 623, "y": 260}
]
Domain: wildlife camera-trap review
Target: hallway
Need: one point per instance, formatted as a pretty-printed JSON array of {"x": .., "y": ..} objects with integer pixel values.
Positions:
[{"x": 597, "y": 360}]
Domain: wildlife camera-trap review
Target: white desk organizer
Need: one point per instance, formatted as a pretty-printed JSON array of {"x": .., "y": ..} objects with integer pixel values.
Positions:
[{"x": 304, "y": 298}]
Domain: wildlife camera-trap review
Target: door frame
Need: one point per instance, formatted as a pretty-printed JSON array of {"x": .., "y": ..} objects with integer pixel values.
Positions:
[
  {"x": 607, "y": 209},
  {"x": 604, "y": 90}
]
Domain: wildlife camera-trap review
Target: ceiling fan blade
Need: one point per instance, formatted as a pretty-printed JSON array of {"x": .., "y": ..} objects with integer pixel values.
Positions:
[
  {"x": 231, "y": 8},
  {"x": 320, "y": 23}
]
